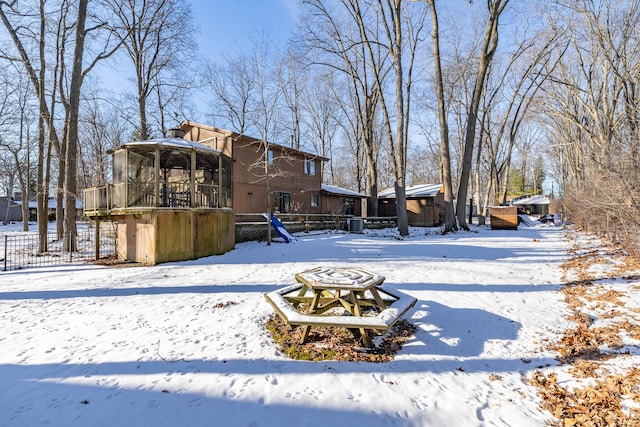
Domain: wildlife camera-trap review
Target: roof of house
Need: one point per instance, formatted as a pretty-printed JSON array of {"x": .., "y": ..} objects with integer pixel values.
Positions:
[
  {"x": 9, "y": 201},
  {"x": 332, "y": 189},
  {"x": 51, "y": 203},
  {"x": 415, "y": 191},
  {"x": 532, "y": 200},
  {"x": 186, "y": 124}
]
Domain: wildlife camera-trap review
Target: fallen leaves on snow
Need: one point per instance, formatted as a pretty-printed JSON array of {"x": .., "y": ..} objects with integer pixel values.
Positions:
[{"x": 603, "y": 321}]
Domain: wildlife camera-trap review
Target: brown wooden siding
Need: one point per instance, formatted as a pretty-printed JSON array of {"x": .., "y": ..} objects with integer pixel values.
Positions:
[
  {"x": 503, "y": 217},
  {"x": 175, "y": 235},
  {"x": 335, "y": 204},
  {"x": 217, "y": 139},
  {"x": 421, "y": 212},
  {"x": 287, "y": 174}
]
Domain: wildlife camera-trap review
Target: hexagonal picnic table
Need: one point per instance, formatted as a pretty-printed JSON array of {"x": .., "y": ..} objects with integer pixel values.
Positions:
[{"x": 325, "y": 288}]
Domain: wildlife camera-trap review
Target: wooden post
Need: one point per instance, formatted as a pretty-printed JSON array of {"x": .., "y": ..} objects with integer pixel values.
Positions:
[
  {"x": 97, "y": 243},
  {"x": 192, "y": 179},
  {"x": 156, "y": 179}
]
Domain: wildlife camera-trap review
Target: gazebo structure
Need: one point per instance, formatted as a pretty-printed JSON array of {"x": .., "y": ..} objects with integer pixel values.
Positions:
[{"x": 172, "y": 200}]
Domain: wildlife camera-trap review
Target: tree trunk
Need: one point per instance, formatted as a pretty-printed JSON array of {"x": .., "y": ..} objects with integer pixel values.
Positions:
[
  {"x": 372, "y": 180},
  {"x": 72, "y": 131},
  {"x": 445, "y": 155},
  {"x": 60, "y": 183},
  {"x": 142, "y": 112},
  {"x": 269, "y": 195},
  {"x": 488, "y": 49},
  {"x": 478, "y": 193},
  {"x": 42, "y": 189}
]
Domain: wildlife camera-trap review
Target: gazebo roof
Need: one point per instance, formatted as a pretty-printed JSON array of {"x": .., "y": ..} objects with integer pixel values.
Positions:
[{"x": 169, "y": 143}]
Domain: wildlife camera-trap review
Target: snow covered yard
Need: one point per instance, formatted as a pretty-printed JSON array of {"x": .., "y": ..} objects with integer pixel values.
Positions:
[{"x": 185, "y": 344}]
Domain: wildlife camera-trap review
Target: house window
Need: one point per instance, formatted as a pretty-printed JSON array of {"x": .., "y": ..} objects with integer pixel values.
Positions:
[
  {"x": 270, "y": 157},
  {"x": 315, "y": 201},
  {"x": 309, "y": 167}
]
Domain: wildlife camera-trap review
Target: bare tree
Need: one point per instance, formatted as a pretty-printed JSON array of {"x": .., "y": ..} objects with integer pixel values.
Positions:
[
  {"x": 51, "y": 84},
  {"x": 155, "y": 33},
  {"x": 9, "y": 152},
  {"x": 16, "y": 112},
  {"x": 392, "y": 17},
  {"x": 100, "y": 129},
  {"x": 334, "y": 37},
  {"x": 356, "y": 164},
  {"x": 511, "y": 89},
  {"x": 233, "y": 86},
  {"x": 173, "y": 90},
  {"x": 495, "y": 9},
  {"x": 70, "y": 92},
  {"x": 445, "y": 155},
  {"x": 266, "y": 121},
  {"x": 19, "y": 34},
  {"x": 292, "y": 78},
  {"x": 321, "y": 117},
  {"x": 71, "y": 129},
  {"x": 592, "y": 118}
]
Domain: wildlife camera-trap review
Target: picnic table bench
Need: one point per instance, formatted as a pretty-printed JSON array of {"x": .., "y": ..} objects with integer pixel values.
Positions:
[{"x": 353, "y": 289}]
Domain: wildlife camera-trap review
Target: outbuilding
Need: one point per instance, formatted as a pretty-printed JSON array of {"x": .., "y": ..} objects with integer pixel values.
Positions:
[
  {"x": 341, "y": 201},
  {"x": 537, "y": 205},
  {"x": 425, "y": 204}
]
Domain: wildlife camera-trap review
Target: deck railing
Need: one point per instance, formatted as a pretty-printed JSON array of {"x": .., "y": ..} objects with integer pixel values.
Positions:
[
  {"x": 102, "y": 200},
  {"x": 97, "y": 198}
]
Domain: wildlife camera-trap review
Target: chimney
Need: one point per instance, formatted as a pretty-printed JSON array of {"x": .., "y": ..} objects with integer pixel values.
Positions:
[{"x": 176, "y": 133}]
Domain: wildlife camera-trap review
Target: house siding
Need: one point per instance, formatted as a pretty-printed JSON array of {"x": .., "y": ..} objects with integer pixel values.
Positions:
[
  {"x": 287, "y": 174},
  {"x": 335, "y": 204}
]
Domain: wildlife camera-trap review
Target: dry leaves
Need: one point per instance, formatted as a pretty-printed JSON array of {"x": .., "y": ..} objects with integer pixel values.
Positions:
[
  {"x": 223, "y": 304},
  {"x": 592, "y": 344},
  {"x": 114, "y": 261},
  {"x": 331, "y": 343}
]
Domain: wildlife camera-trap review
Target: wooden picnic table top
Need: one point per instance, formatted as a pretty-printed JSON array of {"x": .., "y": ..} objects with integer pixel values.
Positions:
[{"x": 339, "y": 278}]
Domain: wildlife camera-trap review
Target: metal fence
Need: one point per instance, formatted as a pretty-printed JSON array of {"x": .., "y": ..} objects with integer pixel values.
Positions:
[{"x": 21, "y": 250}]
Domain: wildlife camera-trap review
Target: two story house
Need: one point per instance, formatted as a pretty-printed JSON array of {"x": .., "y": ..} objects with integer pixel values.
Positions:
[{"x": 289, "y": 179}]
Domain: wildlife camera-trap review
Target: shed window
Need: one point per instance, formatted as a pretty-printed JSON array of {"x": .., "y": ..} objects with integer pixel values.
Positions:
[{"x": 315, "y": 200}]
